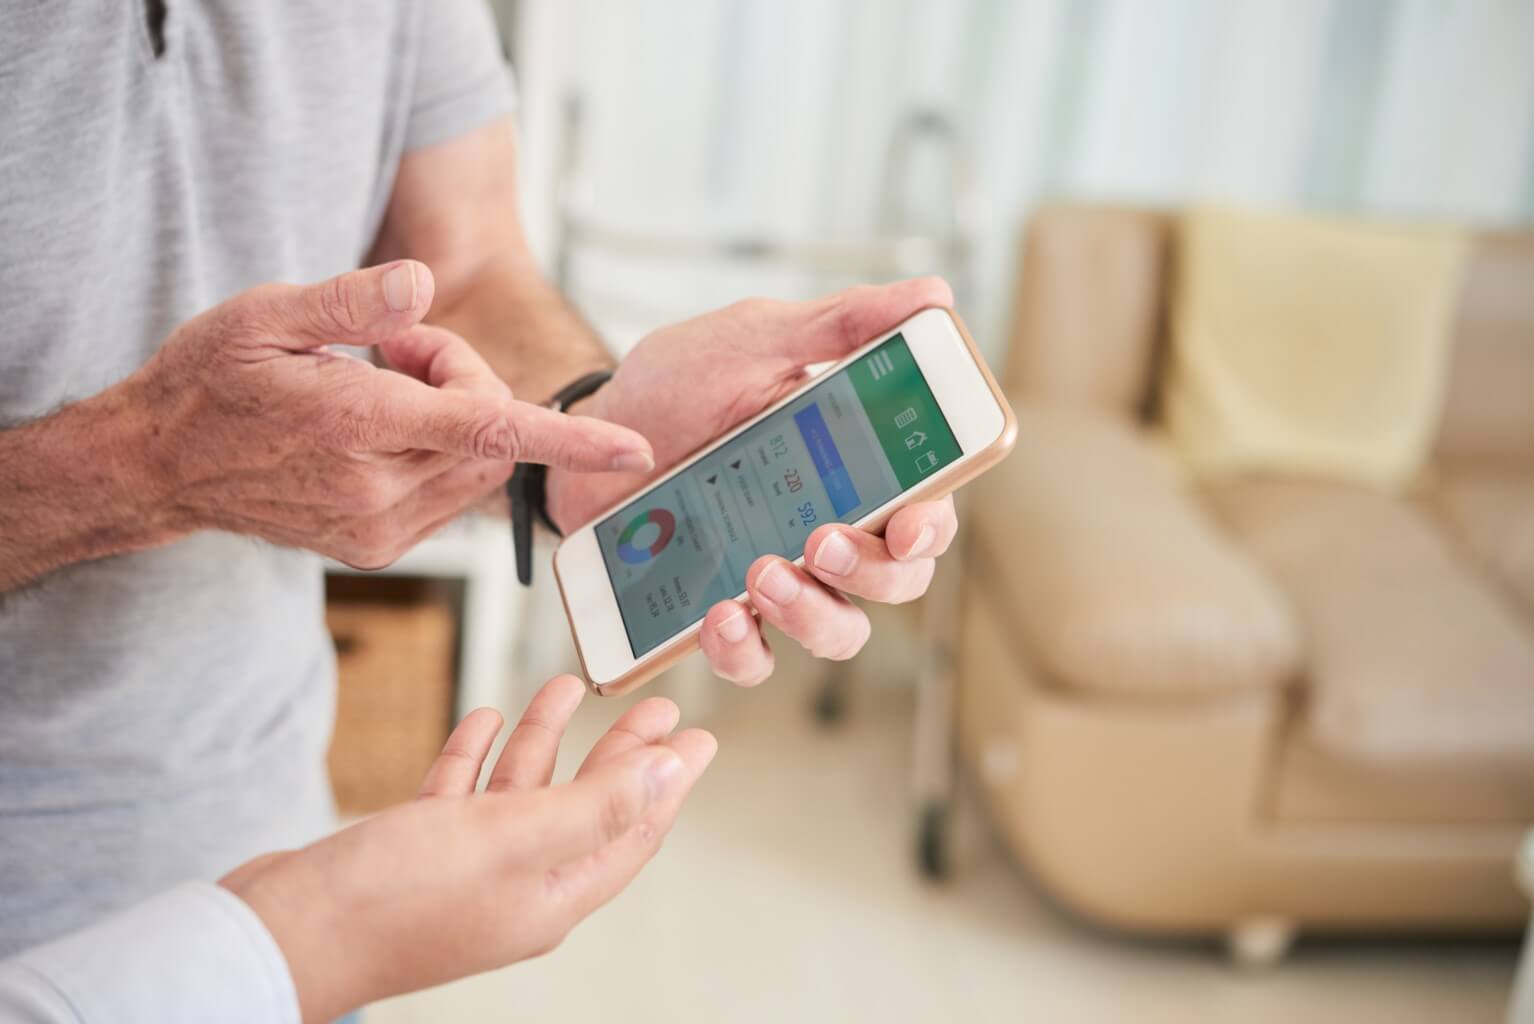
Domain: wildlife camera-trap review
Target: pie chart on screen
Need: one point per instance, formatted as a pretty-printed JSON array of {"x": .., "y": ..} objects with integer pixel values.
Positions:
[{"x": 646, "y": 535}]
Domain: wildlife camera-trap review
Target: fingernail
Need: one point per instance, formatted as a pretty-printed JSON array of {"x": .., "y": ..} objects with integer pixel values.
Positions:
[
  {"x": 399, "y": 287},
  {"x": 836, "y": 555},
  {"x": 733, "y": 629},
  {"x": 923, "y": 541},
  {"x": 633, "y": 462},
  {"x": 778, "y": 584},
  {"x": 662, "y": 772}
]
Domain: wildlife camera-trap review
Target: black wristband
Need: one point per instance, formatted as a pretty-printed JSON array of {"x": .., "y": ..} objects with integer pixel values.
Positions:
[{"x": 528, "y": 486}]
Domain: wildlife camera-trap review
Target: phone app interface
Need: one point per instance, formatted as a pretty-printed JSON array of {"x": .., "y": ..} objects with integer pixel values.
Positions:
[{"x": 834, "y": 454}]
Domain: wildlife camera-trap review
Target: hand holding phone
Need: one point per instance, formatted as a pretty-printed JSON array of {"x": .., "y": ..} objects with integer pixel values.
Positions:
[{"x": 698, "y": 544}]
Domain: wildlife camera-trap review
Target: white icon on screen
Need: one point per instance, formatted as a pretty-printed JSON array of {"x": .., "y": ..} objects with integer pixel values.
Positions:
[
  {"x": 879, "y": 364},
  {"x": 905, "y": 418},
  {"x": 915, "y": 439},
  {"x": 926, "y": 461}
]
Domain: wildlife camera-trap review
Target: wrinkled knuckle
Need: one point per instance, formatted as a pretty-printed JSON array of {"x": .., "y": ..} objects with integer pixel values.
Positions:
[
  {"x": 231, "y": 323},
  {"x": 495, "y": 437},
  {"x": 336, "y": 306},
  {"x": 253, "y": 307},
  {"x": 346, "y": 427}
]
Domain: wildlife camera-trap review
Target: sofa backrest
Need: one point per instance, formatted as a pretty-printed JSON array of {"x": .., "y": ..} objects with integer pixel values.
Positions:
[
  {"x": 1488, "y": 413},
  {"x": 1091, "y": 316},
  {"x": 1090, "y": 307}
]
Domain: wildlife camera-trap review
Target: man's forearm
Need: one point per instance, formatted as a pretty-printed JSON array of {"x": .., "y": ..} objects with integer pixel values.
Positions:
[
  {"x": 72, "y": 488},
  {"x": 525, "y": 329}
]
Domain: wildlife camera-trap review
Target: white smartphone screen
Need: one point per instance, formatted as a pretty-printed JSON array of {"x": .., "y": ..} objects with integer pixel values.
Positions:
[{"x": 834, "y": 454}]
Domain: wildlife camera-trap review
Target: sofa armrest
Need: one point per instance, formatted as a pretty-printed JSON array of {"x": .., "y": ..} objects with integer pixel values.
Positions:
[{"x": 1117, "y": 580}]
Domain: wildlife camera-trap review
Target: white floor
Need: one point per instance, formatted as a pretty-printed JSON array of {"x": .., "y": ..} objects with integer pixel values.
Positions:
[{"x": 787, "y": 893}]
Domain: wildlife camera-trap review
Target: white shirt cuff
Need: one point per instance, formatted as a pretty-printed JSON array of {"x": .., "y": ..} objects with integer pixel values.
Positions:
[{"x": 193, "y": 953}]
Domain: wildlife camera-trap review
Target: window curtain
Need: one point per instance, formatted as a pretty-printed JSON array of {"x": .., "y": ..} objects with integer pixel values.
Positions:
[{"x": 772, "y": 117}]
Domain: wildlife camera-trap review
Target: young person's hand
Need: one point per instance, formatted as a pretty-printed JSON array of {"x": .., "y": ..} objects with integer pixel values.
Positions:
[
  {"x": 685, "y": 385},
  {"x": 460, "y": 882}
]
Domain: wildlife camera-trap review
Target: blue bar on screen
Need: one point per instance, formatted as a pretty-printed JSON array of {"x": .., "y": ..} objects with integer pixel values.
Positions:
[{"x": 828, "y": 461}]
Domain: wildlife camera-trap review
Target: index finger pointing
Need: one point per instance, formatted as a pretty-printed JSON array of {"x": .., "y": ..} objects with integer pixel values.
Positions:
[{"x": 402, "y": 413}]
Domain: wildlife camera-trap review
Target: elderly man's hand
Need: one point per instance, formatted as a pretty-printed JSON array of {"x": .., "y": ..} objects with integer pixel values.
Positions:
[
  {"x": 250, "y": 424},
  {"x": 461, "y": 882},
  {"x": 685, "y": 385}
]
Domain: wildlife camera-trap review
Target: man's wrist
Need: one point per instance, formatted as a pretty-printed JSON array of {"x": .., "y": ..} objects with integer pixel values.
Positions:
[
  {"x": 83, "y": 484},
  {"x": 137, "y": 482}
]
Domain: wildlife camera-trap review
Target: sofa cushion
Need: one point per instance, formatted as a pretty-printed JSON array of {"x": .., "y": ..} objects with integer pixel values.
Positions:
[
  {"x": 1411, "y": 654},
  {"x": 1492, "y": 514},
  {"x": 1316, "y": 786},
  {"x": 1116, "y": 579}
]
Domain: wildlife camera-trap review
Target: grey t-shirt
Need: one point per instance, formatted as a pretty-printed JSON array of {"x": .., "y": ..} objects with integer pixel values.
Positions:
[{"x": 164, "y": 715}]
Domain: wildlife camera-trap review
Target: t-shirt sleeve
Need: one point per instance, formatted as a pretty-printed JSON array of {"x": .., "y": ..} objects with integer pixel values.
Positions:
[
  {"x": 462, "y": 81},
  {"x": 195, "y": 953}
]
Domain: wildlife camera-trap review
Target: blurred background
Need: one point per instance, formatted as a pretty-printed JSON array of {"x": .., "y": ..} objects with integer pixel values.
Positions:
[
  {"x": 741, "y": 119},
  {"x": 1224, "y": 709}
]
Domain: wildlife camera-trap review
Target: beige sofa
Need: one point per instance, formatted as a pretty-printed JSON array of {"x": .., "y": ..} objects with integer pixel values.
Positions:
[{"x": 1263, "y": 706}]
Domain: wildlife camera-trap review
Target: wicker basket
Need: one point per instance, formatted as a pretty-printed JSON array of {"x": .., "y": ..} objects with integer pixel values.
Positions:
[{"x": 395, "y": 705}]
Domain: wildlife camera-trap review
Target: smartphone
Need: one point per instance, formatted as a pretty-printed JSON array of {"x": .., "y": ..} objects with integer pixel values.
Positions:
[{"x": 909, "y": 416}]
